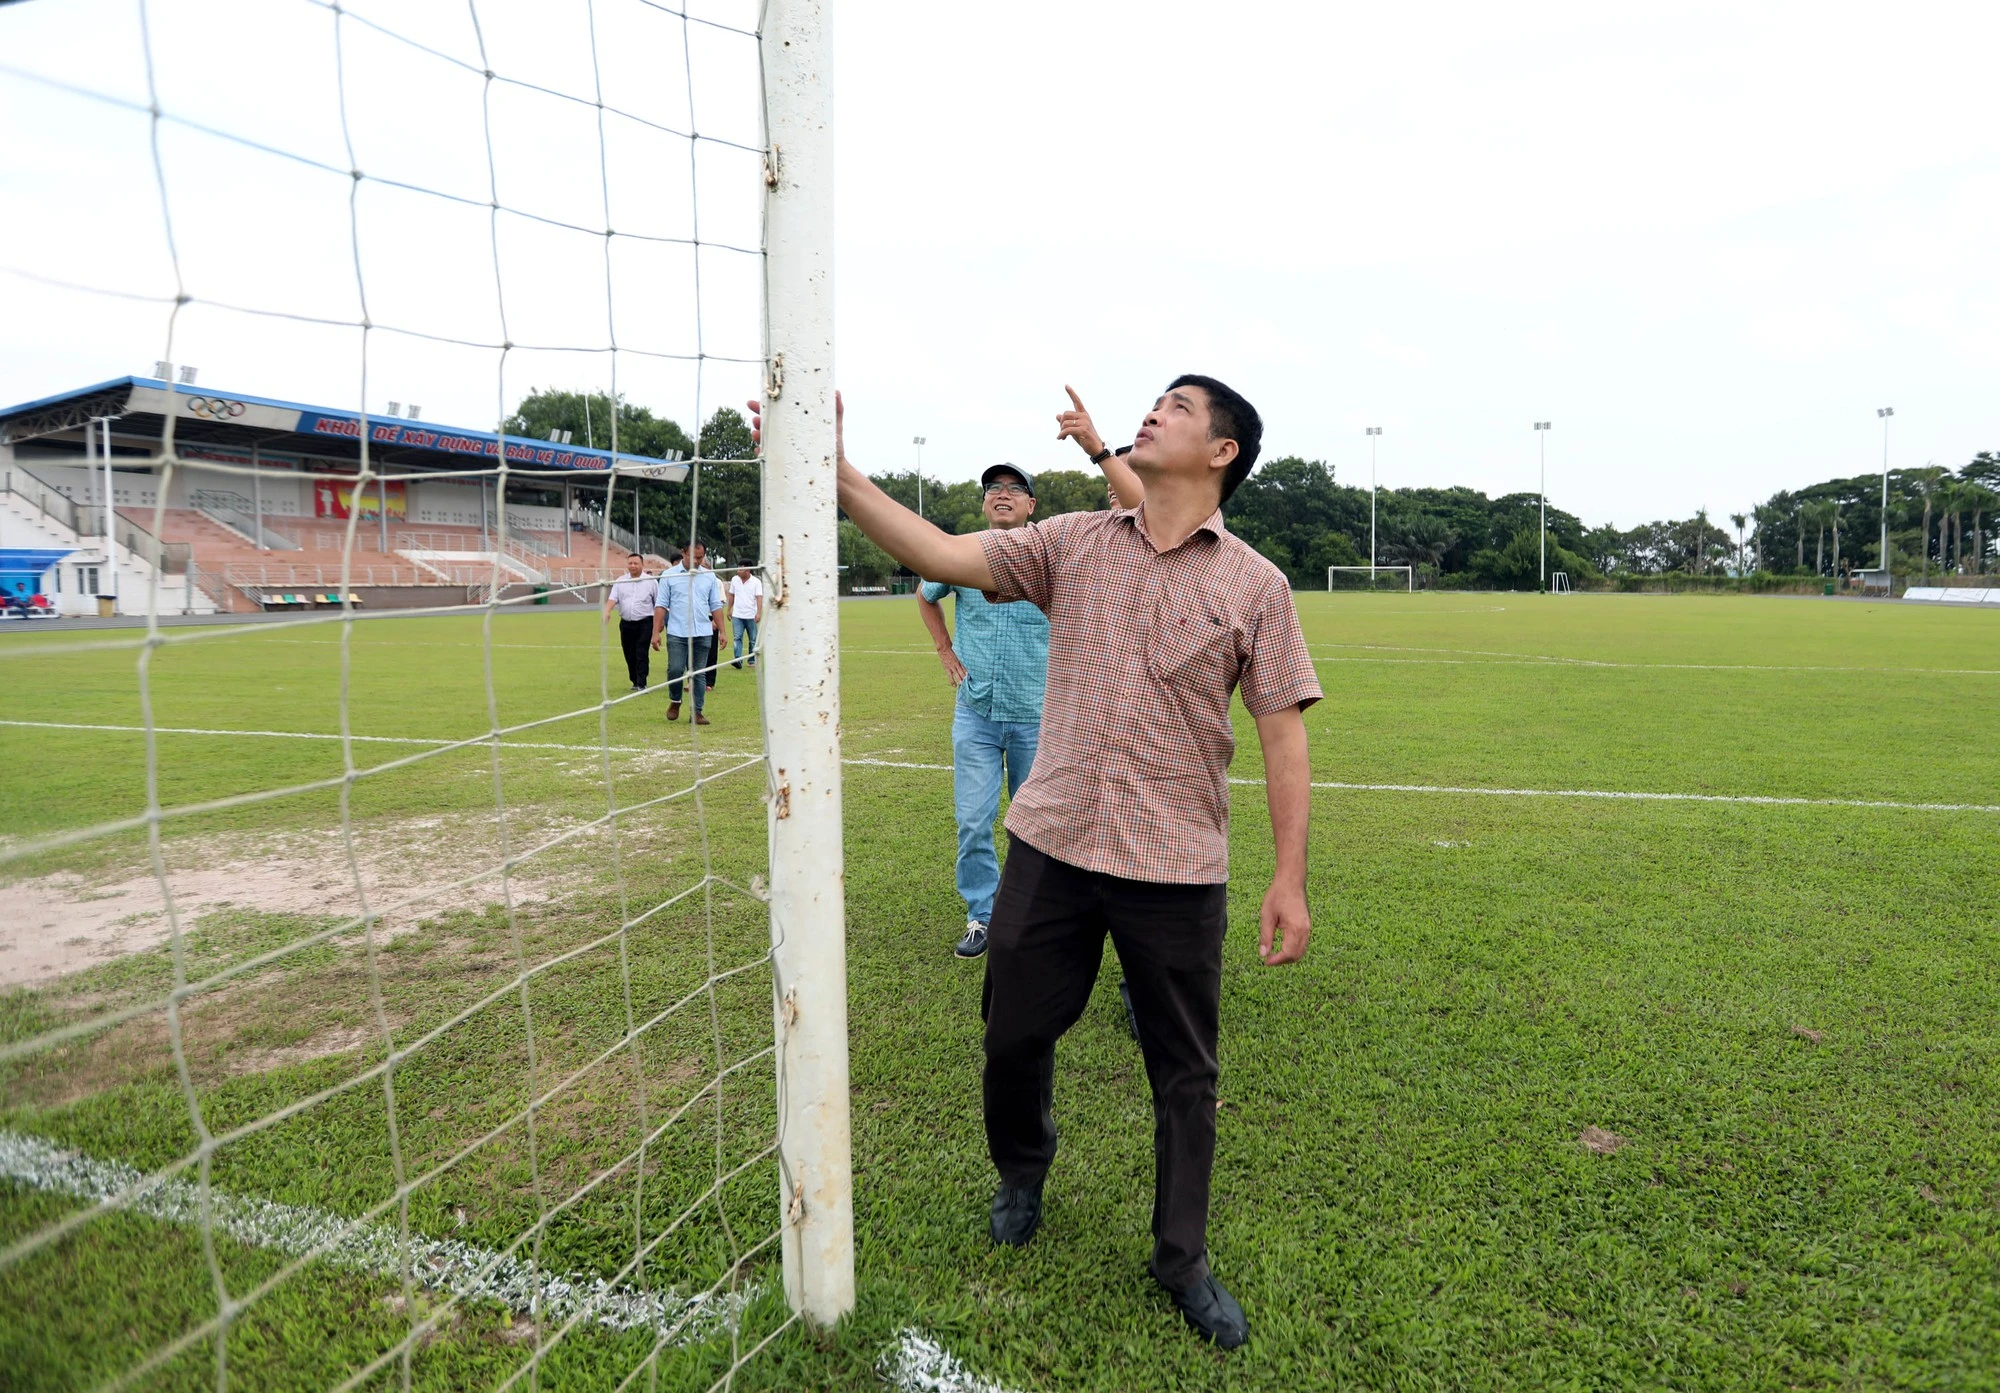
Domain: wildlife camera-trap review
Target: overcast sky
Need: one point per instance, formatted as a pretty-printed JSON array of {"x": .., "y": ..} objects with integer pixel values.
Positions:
[{"x": 1706, "y": 240}]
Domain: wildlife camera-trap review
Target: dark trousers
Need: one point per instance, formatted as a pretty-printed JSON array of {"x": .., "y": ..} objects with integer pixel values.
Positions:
[
  {"x": 1045, "y": 941},
  {"x": 690, "y": 658},
  {"x": 635, "y": 636}
]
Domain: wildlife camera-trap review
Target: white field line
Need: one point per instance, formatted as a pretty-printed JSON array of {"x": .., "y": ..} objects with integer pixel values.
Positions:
[
  {"x": 1621, "y": 796},
  {"x": 1553, "y": 660},
  {"x": 436, "y": 1264},
  {"x": 1480, "y": 657},
  {"x": 919, "y": 1364},
  {"x": 1613, "y": 795},
  {"x": 385, "y": 739}
]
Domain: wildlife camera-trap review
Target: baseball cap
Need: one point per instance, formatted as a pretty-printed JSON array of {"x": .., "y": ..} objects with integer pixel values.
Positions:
[{"x": 986, "y": 479}]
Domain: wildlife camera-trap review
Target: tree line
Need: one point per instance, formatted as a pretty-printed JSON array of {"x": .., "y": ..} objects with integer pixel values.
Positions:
[
  {"x": 724, "y": 492},
  {"x": 1835, "y": 527},
  {"x": 1296, "y": 513}
]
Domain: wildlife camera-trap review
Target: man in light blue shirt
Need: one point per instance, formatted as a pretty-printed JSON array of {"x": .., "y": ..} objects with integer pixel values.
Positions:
[
  {"x": 999, "y": 661},
  {"x": 689, "y": 612}
]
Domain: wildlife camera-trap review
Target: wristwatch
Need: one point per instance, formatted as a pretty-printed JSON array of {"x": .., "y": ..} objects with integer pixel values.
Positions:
[{"x": 1101, "y": 455}]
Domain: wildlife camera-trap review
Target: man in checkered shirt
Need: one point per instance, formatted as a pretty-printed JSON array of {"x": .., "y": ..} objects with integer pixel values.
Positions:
[{"x": 1157, "y": 616}]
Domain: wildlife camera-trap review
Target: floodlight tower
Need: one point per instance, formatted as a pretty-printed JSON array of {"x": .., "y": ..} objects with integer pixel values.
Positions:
[
  {"x": 1885, "y": 412},
  {"x": 918, "y": 441},
  {"x": 1542, "y": 444},
  {"x": 1373, "y": 431}
]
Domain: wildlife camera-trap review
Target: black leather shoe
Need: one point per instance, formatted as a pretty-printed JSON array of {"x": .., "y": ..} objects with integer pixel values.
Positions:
[
  {"x": 1016, "y": 1214},
  {"x": 1213, "y": 1313}
]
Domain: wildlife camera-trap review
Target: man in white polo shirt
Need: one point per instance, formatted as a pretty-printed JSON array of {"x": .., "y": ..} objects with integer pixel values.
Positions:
[
  {"x": 633, "y": 595},
  {"x": 746, "y": 611}
]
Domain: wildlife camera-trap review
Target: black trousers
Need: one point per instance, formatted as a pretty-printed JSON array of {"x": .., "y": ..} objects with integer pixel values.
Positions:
[
  {"x": 635, "y": 636},
  {"x": 1044, "y": 944}
]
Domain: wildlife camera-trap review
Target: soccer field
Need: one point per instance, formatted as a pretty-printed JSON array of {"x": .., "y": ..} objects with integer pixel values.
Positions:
[{"x": 1647, "y": 1037}]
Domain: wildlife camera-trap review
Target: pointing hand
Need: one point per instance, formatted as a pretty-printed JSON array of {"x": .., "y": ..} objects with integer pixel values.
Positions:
[{"x": 1075, "y": 425}]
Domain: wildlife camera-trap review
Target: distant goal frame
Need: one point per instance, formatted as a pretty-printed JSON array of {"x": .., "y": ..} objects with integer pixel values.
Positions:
[{"x": 1409, "y": 576}]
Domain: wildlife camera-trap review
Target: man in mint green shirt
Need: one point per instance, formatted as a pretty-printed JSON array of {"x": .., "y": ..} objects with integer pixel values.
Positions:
[{"x": 999, "y": 661}]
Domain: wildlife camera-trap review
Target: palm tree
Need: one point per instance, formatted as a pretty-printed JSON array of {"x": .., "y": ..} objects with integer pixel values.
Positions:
[
  {"x": 1951, "y": 500},
  {"x": 1834, "y": 508},
  {"x": 1926, "y": 480},
  {"x": 1816, "y": 512},
  {"x": 1766, "y": 520},
  {"x": 1981, "y": 500},
  {"x": 1422, "y": 542},
  {"x": 1738, "y": 519}
]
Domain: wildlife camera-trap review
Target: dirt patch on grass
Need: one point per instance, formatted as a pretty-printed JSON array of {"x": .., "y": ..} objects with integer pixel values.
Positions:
[
  {"x": 1602, "y": 1142},
  {"x": 62, "y": 923}
]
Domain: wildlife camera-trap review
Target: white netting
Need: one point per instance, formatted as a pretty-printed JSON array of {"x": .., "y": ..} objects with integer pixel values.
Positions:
[
  {"x": 1370, "y": 578},
  {"x": 447, "y": 1032}
]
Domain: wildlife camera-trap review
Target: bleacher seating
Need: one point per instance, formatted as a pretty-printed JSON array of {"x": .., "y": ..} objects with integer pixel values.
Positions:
[{"x": 242, "y": 576}]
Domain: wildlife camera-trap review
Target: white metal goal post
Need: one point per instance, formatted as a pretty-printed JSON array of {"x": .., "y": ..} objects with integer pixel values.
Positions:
[{"x": 1368, "y": 576}]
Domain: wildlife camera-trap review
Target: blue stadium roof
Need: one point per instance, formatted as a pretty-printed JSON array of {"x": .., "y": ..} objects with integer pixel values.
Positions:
[
  {"x": 31, "y": 560},
  {"x": 229, "y": 418}
]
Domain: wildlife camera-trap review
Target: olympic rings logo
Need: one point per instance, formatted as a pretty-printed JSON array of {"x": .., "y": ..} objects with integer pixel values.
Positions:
[{"x": 215, "y": 408}]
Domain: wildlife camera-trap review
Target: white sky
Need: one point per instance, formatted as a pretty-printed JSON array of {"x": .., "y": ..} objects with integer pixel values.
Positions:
[{"x": 1707, "y": 240}]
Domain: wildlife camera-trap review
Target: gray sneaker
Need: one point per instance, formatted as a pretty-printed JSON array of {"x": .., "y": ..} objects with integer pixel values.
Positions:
[{"x": 973, "y": 945}]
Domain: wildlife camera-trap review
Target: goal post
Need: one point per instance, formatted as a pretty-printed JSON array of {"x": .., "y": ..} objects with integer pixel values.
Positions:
[
  {"x": 523, "y": 1016},
  {"x": 1402, "y": 578},
  {"x": 802, "y": 692}
]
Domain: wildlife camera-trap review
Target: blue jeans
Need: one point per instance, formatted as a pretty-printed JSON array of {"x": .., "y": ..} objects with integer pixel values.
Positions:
[
  {"x": 742, "y": 628},
  {"x": 689, "y": 658},
  {"x": 978, "y": 749}
]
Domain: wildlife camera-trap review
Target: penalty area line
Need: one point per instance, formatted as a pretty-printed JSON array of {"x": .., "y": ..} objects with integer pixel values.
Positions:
[
  {"x": 1612, "y": 795},
  {"x": 1619, "y": 795},
  {"x": 1602, "y": 794}
]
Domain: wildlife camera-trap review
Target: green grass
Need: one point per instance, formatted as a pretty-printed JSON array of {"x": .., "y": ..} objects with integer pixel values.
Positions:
[{"x": 1788, "y": 1012}]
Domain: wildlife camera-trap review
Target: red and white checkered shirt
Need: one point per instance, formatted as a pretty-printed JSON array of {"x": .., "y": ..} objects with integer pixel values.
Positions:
[{"x": 1145, "y": 649}]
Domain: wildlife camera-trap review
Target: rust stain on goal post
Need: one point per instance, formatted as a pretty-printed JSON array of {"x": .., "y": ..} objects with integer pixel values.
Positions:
[{"x": 800, "y": 668}]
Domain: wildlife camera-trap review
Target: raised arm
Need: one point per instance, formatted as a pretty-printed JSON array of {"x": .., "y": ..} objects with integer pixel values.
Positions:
[
  {"x": 1075, "y": 424},
  {"x": 923, "y": 547}
]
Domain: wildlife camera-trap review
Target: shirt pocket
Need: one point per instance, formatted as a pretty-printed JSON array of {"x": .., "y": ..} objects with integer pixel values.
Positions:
[{"x": 1194, "y": 645}]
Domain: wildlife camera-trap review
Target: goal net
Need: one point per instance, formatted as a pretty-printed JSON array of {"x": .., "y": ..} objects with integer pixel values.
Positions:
[
  {"x": 397, "y": 989},
  {"x": 1401, "y": 578}
]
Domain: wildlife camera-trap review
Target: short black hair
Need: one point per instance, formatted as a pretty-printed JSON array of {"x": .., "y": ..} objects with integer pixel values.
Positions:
[
  {"x": 1230, "y": 417},
  {"x": 674, "y": 557}
]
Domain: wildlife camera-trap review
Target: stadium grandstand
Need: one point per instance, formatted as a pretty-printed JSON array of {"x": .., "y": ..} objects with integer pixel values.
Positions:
[{"x": 263, "y": 526}]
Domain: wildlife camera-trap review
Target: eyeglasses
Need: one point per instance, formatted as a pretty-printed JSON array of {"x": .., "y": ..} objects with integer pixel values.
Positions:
[{"x": 1018, "y": 490}]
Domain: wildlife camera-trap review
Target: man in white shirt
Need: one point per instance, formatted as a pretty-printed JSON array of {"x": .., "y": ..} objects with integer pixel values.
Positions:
[
  {"x": 634, "y": 596},
  {"x": 746, "y": 612}
]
